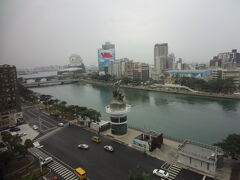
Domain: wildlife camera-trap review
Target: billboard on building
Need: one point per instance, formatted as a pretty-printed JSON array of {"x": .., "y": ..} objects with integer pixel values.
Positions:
[{"x": 104, "y": 57}]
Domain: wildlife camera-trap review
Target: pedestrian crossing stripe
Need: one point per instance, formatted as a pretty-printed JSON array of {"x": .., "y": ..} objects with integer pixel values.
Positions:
[
  {"x": 174, "y": 170},
  {"x": 173, "y": 167},
  {"x": 64, "y": 171},
  {"x": 55, "y": 166}
]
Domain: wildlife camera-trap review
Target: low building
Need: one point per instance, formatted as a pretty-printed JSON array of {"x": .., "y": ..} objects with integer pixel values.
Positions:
[
  {"x": 191, "y": 73},
  {"x": 148, "y": 141},
  {"x": 202, "y": 157},
  {"x": 100, "y": 126},
  {"x": 227, "y": 74}
]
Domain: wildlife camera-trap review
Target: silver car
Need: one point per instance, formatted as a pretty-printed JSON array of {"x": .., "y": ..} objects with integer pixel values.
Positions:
[
  {"x": 108, "y": 148},
  {"x": 35, "y": 127},
  {"x": 161, "y": 173},
  {"x": 83, "y": 146},
  {"x": 45, "y": 161}
]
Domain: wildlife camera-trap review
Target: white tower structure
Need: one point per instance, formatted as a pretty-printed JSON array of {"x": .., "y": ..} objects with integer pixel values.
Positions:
[{"x": 118, "y": 110}]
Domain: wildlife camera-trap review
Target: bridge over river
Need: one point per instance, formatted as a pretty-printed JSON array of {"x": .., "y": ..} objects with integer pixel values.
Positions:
[{"x": 50, "y": 83}]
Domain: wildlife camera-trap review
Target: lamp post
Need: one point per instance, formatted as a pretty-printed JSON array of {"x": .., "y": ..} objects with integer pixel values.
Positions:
[
  {"x": 40, "y": 123},
  {"x": 40, "y": 160}
]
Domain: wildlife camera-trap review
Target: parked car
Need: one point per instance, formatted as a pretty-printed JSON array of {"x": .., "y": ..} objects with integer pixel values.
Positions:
[
  {"x": 60, "y": 124},
  {"x": 22, "y": 134},
  {"x": 5, "y": 133},
  {"x": 83, "y": 146},
  {"x": 46, "y": 161},
  {"x": 96, "y": 139},
  {"x": 161, "y": 173},
  {"x": 108, "y": 148},
  {"x": 35, "y": 127},
  {"x": 14, "y": 129}
]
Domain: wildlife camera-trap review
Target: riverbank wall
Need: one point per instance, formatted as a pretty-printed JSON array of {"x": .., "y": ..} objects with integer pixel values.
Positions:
[{"x": 201, "y": 94}]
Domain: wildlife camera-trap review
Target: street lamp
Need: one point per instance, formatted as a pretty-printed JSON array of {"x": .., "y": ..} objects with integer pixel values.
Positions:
[
  {"x": 40, "y": 160},
  {"x": 40, "y": 123}
]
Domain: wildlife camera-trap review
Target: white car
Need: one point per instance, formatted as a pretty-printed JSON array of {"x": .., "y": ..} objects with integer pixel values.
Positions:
[
  {"x": 161, "y": 173},
  {"x": 108, "y": 148},
  {"x": 35, "y": 127},
  {"x": 83, "y": 146},
  {"x": 45, "y": 161},
  {"x": 22, "y": 134},
  {"x": 60, "y": 124}
]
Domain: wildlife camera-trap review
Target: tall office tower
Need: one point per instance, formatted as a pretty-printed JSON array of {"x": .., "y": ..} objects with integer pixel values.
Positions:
[
  {"x": 105, "y": 55},
  {"x": 171, "y": 62},
  {"x": 160, "y": 57},
  {"x": 8, "y": 95}
]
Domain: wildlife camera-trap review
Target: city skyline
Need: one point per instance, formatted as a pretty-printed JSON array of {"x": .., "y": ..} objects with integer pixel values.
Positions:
[{"x": 42, "y": 33}]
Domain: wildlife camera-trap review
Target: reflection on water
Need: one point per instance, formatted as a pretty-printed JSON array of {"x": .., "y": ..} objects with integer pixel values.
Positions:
[
  {"x": 203, "y": 119},
  {"x": 135, "y": 96}
]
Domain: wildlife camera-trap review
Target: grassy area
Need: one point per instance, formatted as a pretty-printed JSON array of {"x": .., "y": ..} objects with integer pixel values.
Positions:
[{"x": 36, "y": 174}]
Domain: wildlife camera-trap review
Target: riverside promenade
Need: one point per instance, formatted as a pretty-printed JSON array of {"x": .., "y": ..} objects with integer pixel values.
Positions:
[{"x": 168, "y": 90}]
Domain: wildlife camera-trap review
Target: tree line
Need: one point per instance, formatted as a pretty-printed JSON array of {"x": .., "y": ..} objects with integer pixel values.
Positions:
[
  {"x": 215, "y": 85},
  {"x": 58, "y": 107}
]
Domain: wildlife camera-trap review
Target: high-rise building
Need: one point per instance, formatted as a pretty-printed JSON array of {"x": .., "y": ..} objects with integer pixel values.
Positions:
[
  {"x": 215, "y": 63},
  {"x": 8, "y": 95},
  {"x": 128, "y": 68},
  {"x": 171, "y": 62},
  {"x": 226, "y": 60},
  {"x": 160, "y": 57},
  {"x": 105, "y": 55},
  {"x": 141, "y": 71}
]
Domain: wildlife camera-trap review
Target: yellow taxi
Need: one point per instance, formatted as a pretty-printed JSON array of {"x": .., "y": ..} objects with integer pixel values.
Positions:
[
  {"x": 96, "y": 139},
  {"x": 80, "y": 173}
]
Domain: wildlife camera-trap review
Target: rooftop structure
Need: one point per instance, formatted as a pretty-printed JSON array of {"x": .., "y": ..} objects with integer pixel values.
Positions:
[
  {"x": 148, "y": 141},
  {"x": 200, "y": 156}
]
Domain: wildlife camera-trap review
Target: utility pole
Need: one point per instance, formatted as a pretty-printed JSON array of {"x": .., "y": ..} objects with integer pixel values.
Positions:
[
  {"x": 40, "y": 159},
  {"x": 40, "y": 123}
]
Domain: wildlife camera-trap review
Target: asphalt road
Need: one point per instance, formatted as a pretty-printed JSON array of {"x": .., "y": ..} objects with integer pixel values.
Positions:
[
  {"x": 34, "y": 116},
  {"x": 100, "y": 164}
]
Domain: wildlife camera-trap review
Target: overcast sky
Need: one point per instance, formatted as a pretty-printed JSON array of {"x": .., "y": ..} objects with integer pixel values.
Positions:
[{"x": 47, "y": 32}]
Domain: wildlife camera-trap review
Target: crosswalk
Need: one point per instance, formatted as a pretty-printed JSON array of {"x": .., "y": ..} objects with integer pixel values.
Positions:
[
  {"x": 58, "y": 168},
  {"x": 173, "y": 170}
]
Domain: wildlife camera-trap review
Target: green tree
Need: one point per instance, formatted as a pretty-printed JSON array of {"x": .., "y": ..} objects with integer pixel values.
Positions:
[
  {"x": 20, "y": 149},
  {"x": 12, "y": 141},
  {"x": 231, "y": 145},
  {"x": 142, "y": 176},
  {"x": 28, "y": 143}
]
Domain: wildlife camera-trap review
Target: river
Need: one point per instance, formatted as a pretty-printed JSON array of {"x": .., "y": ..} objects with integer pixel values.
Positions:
[{"x": 206, "y": 120}]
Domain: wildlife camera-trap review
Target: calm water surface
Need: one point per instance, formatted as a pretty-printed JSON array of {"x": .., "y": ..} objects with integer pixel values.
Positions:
[{"x": 196, "y": 118}]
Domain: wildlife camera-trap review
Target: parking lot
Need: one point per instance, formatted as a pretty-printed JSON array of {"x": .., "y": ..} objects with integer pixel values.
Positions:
[{"x": 101, "y": 164}]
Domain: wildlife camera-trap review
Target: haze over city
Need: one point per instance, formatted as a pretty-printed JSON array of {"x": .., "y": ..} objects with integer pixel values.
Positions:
[{"x": 41, "y": 32}]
